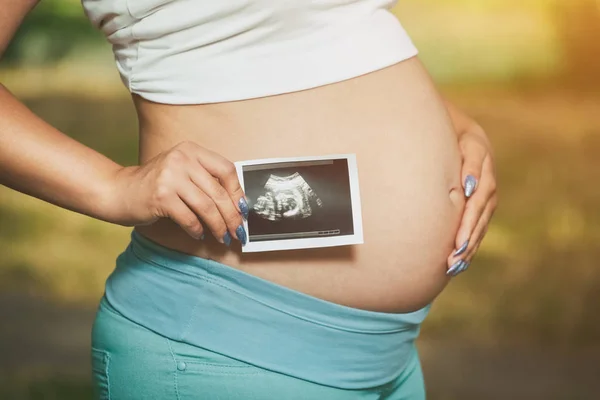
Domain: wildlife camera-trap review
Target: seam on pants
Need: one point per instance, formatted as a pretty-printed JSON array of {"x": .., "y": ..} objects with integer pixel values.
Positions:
[
  {"x": 174, "y": 370},
  {"x": 106, "y": 362},
  {"x": 107, "y": 358}
]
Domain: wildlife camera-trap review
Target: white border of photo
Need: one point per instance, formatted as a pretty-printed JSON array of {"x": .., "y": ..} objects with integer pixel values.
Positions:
[{"x": 306, "y": 243}]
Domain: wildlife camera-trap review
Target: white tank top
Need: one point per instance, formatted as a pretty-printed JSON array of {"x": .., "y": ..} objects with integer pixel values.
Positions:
[{"x": 207, "y": 51}]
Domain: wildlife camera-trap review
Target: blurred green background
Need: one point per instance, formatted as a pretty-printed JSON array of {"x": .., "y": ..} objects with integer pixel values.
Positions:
[{"x": 521, "y": 324}]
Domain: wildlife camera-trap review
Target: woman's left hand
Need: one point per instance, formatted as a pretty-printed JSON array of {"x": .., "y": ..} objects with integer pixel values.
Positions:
[{"x": 479, "y": 184}]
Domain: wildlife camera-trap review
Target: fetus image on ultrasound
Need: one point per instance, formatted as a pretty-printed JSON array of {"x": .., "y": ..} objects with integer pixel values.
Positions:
[
  {"x": 304, "y": 199},
  {"x": 286, "y": 197}
]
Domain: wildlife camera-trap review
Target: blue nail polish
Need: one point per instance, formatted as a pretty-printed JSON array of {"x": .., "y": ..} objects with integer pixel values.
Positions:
[
  {"x": 227, "y": 239},
  {"x": 470, "y": 183},
  {"x": 244, "y": 208},
  {"x": 241, "y": 234},
  {"x": 462, "y": 248},
  {"x": 455, "y": 267},
  {"x": 461, "y": 269},
  {"x": 463, "y": 266},
  {"x": 466, "y": 266},
  {"x": 202, "y": 237}
]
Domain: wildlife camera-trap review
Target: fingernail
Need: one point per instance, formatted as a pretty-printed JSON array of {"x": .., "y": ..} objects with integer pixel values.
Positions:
[
  {"x": 470, "y": 183},
  {"x": 461, "y": 249},
  {"x": 244, "y": 208},
  {"x": 455, "y": 267},
  {"x": 202, "y": 237},
  {"x": 466, "y": 266},
  {"x": 463, "y": 267},
  {"x": 241, "y": 234},
  {"x": 227, "y": 239}
]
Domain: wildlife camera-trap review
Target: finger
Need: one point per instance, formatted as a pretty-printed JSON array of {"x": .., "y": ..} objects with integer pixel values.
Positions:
[
  {"x": 481, "y": 228},
  {"x": 475, "y": 222},
  {"x": 472, "y": 165},
  {"x": 225, "y": 171},
  {"x": 474, "y": 208},
  {"x": 467, "y": 262},
  {"x": 203, "y": 206},
  {"x": 489, "y": 191},
  {"x": 220, "y": 197},
  {"x": 181, "y": 214},
  {"x": 471, "y": 256},
  {"x": 475, "y": 205},
  {"x": 462, "y": 264}
]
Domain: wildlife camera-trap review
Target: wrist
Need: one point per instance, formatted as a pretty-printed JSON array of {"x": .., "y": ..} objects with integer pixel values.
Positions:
[{"x": 111, "y": 199}]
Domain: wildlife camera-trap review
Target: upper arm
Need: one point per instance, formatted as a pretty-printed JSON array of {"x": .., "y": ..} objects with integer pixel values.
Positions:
[{"x": 12, "y": 13}]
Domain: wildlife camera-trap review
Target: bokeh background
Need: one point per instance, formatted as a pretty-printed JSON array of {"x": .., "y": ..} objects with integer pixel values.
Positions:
[{"x": 523, "y": 323}]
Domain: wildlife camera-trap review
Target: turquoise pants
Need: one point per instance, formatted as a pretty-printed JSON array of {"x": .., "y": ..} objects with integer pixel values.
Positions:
[
  {"x": 173, "y": 326},
  {"x": 131, "y": 362}
]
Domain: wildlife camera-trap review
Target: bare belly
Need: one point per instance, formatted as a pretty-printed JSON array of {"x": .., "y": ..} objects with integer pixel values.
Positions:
[{"x": 409, "y": 174}]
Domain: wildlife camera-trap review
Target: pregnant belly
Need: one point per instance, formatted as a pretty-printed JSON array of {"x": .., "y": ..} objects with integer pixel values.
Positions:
[{"x": 409, "y": 175}]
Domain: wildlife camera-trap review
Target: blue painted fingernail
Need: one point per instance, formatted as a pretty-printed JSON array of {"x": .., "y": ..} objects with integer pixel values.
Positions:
[
  {"x": 462, "y": 249},
  {"x": 466, "y": 266},
  {"x": 455, "y": 267},
  {"x": 227, "y": 239},
  {"x": 244, "y": 208},
  {"x": 241, "y": 234},
  {"x": 202, "y": 237},
  {"x": 470, "y": 183},
  {"x": 462, "y": 268}
]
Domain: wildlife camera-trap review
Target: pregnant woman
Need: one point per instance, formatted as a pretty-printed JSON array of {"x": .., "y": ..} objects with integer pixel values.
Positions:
[{"x": 186, "y": 314}]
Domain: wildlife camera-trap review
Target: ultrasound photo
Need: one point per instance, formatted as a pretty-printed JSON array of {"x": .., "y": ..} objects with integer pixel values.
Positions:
[{"x": 302, "y": 202}]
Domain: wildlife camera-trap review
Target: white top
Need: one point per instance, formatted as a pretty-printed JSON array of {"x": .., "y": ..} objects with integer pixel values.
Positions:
[{"x": 207, "y": 51}]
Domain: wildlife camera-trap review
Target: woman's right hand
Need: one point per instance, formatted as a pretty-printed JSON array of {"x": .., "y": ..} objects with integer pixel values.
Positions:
[{"x": 193, "y": 186}]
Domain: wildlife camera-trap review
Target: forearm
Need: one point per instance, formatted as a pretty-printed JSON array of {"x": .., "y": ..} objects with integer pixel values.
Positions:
[{"x": 38, "y": 160}]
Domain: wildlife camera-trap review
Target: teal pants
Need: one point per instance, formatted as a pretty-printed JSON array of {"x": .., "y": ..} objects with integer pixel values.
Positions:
[
  {"x": 173, "y": 326},
  {"x": 131, "y": 362}
]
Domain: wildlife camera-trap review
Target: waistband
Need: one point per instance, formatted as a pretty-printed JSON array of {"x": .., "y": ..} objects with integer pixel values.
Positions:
[{"x": 211, "y": 305}]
